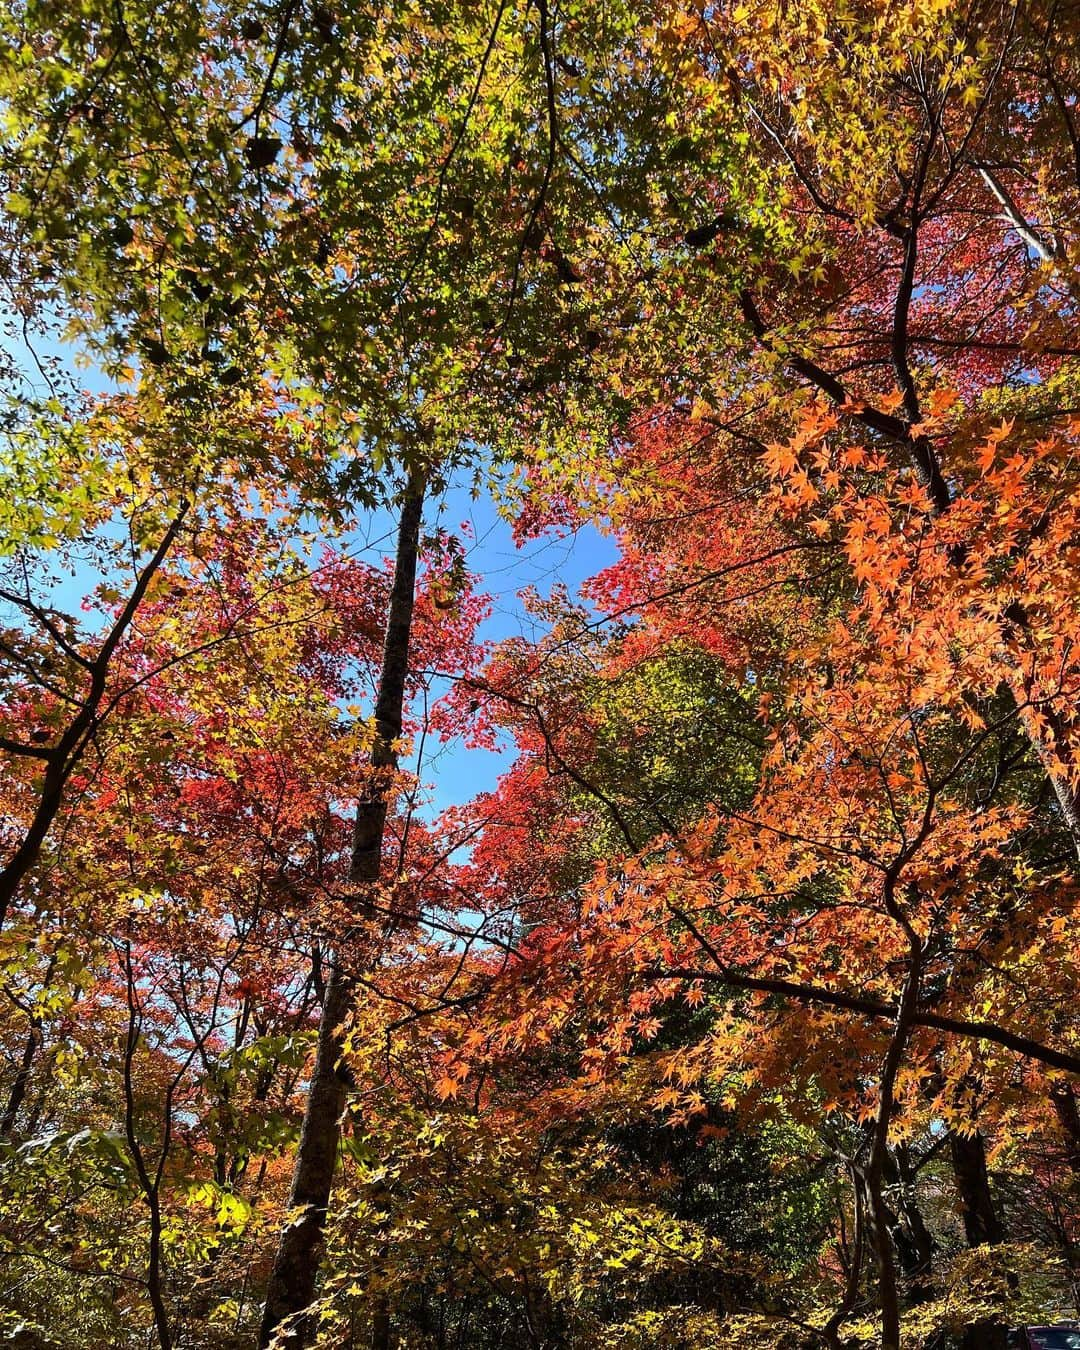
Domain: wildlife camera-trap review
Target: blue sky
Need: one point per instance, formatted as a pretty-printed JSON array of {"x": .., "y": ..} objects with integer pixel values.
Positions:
[
  {"x": 504, "y": 569},
  {"x": 452, "y": 772}
]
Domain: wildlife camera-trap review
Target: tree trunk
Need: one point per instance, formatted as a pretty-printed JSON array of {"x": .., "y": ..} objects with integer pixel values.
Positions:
[
  {"x": 291, "y": 1286},
  {"x": 22, "y": 1081},
  {"x": 870, "y": 1176},
  {"x": 380, "y": 1325},
  {"x": 913, "y": 1241},
  {"x": 1064, "y": 1101},
  {"x": 877, "y": 1217},
  {"x": 981, "y": 1222},
  {"x": 1033, "y": 240},
  {"x": 982, "y": 1226}
]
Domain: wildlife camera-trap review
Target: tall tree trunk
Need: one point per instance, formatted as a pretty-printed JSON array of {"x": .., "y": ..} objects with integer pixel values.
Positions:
[
  {"x": 22, "y": 1080},
  {"x": 870, "y": 1175},
  {"x": 291, "y": 1286},
  {"x": 380, "y": 1325},
  {"x": 981, "y": 1222},
  {"x": 1064, "y": 1204},
  {"x": 877, "y": 1216},
  {"x": 1065, "y": 1108},
  {"x": 31, "y": 1048},
  {"x": 913, "y": 1241},
  {"x": 982, "y": 1225}
]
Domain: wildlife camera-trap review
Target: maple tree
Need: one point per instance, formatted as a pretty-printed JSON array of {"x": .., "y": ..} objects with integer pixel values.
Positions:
[{"x": 741, "y": 1010}]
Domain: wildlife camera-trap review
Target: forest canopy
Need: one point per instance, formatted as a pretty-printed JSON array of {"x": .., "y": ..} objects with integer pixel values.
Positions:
[{"x": 403, "y": 945}]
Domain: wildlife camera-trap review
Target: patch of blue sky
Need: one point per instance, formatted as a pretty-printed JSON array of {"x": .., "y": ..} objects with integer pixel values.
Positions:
[
  {"x": 450, "y": 772},
  {"x": 505, "y": 569}
]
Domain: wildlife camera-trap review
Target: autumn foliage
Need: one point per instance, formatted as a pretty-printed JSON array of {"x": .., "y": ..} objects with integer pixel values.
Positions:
[{"x": 738, "y": 1009}]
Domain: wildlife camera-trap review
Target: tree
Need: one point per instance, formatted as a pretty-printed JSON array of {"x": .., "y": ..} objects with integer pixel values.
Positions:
[
  {"x": 782, "y": 871},
  {"x": 292, "y": 1280}
]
